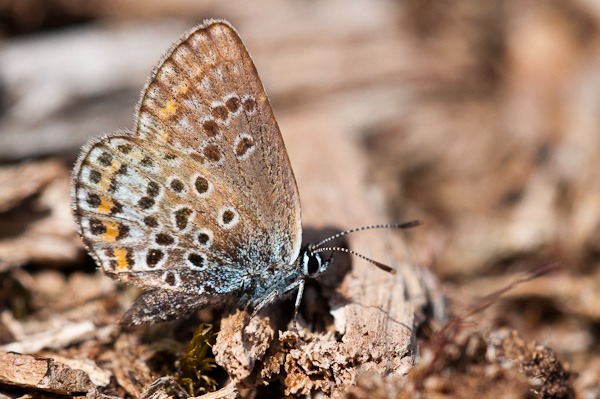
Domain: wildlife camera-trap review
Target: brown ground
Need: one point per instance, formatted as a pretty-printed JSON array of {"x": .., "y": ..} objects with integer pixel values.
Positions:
[{"x": 479, "y": 118}]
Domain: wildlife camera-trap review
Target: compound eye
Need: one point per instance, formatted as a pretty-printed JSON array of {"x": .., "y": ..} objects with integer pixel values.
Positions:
[{"x": 313, "y": 264}]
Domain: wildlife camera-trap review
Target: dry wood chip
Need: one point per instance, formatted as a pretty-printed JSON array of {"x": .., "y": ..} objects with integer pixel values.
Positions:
[{"x": 42, "y": 373}]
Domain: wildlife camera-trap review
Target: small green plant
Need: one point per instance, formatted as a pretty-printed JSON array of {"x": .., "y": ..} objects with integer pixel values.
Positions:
[{"x": 197, "y": 362}]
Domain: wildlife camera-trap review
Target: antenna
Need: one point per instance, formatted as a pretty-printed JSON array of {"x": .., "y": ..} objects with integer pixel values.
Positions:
[
  {"x": 404, "y": 225},
  {"x": 317, "y": 248},
  {"x": 380, "y": 265}
]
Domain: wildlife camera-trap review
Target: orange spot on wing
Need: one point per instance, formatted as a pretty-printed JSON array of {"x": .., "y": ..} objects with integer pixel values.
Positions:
[
  {"x": 106, "y": 176},
  {"x": 169, "y": 109},
  {"x": 106, "y": 205},
  {"x": 121, "y": 258},
  {"x": 183, "y": 88},
  {"x": 112, "y": 231},
  {"x": 104, "y": 183}
]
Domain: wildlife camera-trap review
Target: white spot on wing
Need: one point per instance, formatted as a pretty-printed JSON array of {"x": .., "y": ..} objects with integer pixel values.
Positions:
[
  {"x": 180, "y": 54},
  {"x": 166, "y": 72},
  {"x": 218, "y": 71},
  {"x": 205, "y": 84},
  {"x": 183, "y": 123}
]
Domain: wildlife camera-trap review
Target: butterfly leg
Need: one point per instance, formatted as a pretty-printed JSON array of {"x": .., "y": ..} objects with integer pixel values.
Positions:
[
  {"x": 274, "y": 294},
  {"x": 297, "y": 304},
  {"x": 262, "y": 302}
]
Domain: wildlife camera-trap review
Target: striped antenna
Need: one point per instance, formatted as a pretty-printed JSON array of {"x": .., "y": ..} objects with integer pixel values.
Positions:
[
  {"x": 404, "y": 225},
  {"x": 385, "y": 268},
  {"x": 380, "y": 265}
]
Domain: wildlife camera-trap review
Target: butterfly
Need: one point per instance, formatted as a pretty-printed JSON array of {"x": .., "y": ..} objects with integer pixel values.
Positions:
[{"x": 198, "y": 205}]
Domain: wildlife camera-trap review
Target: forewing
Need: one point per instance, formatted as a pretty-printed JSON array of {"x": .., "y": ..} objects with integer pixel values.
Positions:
[{"x": 207, "y": 101}]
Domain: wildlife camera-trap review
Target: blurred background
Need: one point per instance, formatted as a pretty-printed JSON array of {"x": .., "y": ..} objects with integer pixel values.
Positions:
[{"x": 480, "y": 118}]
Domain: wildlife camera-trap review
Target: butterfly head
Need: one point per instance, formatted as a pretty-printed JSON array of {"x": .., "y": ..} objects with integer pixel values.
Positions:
[{"x": 312, "y": 262}]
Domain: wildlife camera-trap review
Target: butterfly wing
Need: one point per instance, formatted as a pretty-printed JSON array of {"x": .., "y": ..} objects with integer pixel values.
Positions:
[
  {"x": 206, "y": 99},
  {"x": 201, "y": 197}
]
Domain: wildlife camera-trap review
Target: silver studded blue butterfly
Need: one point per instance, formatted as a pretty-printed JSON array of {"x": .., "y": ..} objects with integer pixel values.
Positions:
[{"x": 198, "y": 205}]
